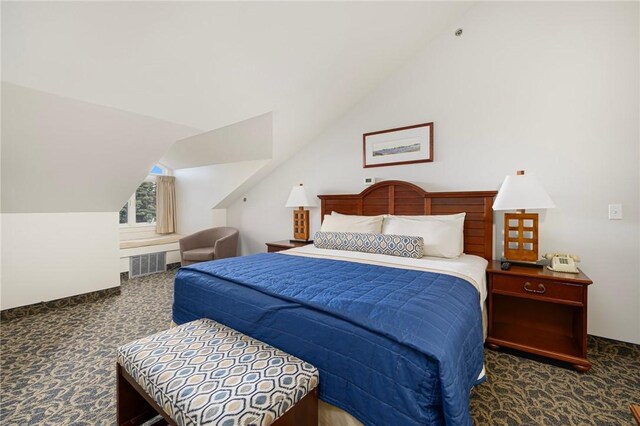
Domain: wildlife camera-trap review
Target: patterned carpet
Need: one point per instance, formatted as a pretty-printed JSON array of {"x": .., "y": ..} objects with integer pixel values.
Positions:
[{"x": 58, "y": 368}]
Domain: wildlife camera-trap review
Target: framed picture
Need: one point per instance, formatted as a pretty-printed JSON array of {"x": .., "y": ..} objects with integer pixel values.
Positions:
[{"x": 404, "y": 145}]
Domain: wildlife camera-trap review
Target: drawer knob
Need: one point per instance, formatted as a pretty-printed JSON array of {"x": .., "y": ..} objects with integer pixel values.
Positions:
[{"x": 541, "y": 288}]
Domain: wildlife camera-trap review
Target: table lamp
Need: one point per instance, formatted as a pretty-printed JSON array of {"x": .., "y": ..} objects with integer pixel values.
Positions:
[
  {"x": 521, "y": 192},
  {"x": 298, "y": 198}
]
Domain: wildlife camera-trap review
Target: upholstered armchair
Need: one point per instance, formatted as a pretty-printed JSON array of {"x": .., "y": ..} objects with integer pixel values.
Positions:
[{"x": 210, "y": 244}]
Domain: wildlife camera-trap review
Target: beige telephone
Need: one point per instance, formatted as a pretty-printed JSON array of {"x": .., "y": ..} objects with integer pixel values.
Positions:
[{"x": 561, "y": 262}]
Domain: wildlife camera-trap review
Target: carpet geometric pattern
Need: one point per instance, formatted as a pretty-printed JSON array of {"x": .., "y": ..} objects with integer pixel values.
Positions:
[{"x": 58, "y": 368}]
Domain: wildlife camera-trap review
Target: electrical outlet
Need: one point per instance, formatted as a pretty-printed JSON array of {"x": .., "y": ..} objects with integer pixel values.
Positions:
[{"x": 615, "y": 211}]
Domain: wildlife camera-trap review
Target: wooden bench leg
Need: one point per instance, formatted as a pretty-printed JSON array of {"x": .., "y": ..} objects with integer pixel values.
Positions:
[
  {"x": 304, "y": 413},
  {"x": 132, "y": 408}
]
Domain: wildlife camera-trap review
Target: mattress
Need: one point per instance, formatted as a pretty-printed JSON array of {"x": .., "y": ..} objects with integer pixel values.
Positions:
[{"x": 353, "y": 320}]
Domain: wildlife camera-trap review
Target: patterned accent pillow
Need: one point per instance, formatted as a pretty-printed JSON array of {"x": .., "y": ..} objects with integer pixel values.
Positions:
[{"x": 392, "y": 245}]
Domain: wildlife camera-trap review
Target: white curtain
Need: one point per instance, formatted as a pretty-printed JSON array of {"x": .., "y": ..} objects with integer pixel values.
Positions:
[{"x": 165, "y": 204}]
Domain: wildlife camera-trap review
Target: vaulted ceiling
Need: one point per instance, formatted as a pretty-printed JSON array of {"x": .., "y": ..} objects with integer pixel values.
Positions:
[{"x": 206, "y": 65}]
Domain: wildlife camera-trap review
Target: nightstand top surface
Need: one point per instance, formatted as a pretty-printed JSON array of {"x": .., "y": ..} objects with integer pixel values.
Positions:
[
  {"x": 537, "y": 272},
  {"x": 288, "y": 243}
]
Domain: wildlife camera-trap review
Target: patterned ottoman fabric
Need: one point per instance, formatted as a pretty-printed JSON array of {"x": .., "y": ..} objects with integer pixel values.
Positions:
[{"x": 204, "y": 373}]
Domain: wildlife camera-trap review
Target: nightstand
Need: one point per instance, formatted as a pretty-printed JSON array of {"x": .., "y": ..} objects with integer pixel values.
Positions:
[
  {"x": 284, "y": 245},
  {"x": 539, "y": 311}
]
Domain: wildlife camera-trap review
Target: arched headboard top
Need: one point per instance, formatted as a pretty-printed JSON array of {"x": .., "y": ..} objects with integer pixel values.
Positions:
[{"x": 406, "y": 199}]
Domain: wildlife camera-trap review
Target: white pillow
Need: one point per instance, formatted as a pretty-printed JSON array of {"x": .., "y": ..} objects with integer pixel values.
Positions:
[
  {"x": 348, "y": 223},
  {"x": 443, "y": 235}
]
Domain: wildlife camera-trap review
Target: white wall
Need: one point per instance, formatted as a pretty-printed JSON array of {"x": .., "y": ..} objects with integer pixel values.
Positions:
[
  {"x": 247, "y": 140},
  {"x": 47, "y": 256},
  {"x": 219, "y": 217},
  {"x": 200, "y": 189},
  {"x": 141, "y": 232},
  {"x": 63, "y": 155},
  {"x": 551, "y": 88},
  {"x": 62, "y": 158}
]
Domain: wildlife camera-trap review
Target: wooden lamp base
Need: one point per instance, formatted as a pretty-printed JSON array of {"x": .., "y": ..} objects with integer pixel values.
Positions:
[
  {"x": 521, "y": 236},
  {"x": 300, "y": 225}
]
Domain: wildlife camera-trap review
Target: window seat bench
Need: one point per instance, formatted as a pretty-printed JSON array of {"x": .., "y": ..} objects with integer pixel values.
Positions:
[{"x": 154, "y": 241}]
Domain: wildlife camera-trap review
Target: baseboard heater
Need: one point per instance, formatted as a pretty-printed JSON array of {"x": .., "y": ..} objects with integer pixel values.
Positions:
[{"x": 146, "y": 264}]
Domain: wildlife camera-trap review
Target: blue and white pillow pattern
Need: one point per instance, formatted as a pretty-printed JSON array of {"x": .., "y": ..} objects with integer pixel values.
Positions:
[{"x": 392, "y": 245}]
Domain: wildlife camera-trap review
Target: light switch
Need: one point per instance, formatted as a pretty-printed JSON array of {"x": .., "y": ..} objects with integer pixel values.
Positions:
[{"x": 615, "y": 211}]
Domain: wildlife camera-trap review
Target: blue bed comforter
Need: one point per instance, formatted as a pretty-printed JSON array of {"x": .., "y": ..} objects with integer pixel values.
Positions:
[{"x": 393, "y": 346}]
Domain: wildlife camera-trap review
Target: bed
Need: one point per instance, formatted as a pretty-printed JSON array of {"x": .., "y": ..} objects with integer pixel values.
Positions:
[{"x": 397, "y": 341}]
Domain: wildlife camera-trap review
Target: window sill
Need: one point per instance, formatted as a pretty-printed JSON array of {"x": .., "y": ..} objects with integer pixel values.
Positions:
[
  {"x": 124, "y": 226},
  {"x": 153, "y": 241}
]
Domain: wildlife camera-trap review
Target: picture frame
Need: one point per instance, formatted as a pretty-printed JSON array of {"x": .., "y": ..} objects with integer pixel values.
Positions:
[{"x": 402, "y": 145}]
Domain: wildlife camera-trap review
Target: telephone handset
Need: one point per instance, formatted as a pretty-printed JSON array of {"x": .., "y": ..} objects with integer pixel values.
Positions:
[{"x": 561, "y": 262}]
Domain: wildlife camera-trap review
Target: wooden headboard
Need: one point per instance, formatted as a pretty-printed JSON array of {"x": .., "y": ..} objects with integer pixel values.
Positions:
[{"x": 404, "y": 198}]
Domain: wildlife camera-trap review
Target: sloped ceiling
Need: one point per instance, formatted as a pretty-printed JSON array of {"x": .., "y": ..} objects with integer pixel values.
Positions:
[
  {"x": 62, "y": 155},
  {"x": 247, "y": 140},
  {"x": 206, "y": 65}
]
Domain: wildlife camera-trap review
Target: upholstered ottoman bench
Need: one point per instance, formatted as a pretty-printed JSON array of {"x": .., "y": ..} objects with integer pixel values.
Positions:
[{"x": 204, "y": 373}]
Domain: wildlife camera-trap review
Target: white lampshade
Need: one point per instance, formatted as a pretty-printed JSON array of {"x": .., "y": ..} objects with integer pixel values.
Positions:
[
  {"x": 299, "y": 198},
  {"x": 522, "y": 192}
]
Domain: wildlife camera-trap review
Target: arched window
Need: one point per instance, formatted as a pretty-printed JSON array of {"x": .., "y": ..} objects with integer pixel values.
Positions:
[
  {"x": 140, "y": 209},
  {"x": 158, "y": 170}
]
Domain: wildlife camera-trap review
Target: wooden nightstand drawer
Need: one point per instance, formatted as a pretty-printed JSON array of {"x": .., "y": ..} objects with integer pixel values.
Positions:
[
  {"x": 539, "y": 289},
  {"x": 539, "y": 311}
]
